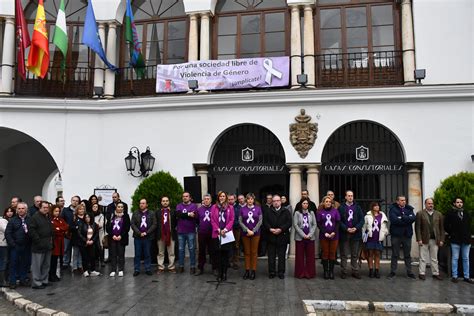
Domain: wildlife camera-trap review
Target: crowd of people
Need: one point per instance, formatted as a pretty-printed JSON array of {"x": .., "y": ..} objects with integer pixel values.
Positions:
[{"x": 47, "y": 238}]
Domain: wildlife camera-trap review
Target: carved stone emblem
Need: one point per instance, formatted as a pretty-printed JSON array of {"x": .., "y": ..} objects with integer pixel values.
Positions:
[{"x": 303, "y": 134}]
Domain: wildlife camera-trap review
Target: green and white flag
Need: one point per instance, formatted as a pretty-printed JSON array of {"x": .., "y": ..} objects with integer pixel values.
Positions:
[{"x": 60, "y": 35}]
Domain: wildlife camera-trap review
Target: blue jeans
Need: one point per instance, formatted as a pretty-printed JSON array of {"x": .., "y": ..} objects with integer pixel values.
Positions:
[
  {"x": 19, "y": 263},
  {"x": 455, "y": 248},
  {"x": 142, "y": 245},
  {"x": 190, "y": 238},
  {"x": 3, "y": 258}
]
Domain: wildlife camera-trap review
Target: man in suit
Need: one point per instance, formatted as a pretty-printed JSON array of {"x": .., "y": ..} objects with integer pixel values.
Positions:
[
  {"x": 277, "y": 222},
  {"x": 429, "y": 230}
]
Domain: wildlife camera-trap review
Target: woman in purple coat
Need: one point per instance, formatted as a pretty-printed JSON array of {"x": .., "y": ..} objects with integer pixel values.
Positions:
[
  {"x": 250, "y": 220},
  {"x": 328, "y": 219},
  {"x": 222, "y": 220}
]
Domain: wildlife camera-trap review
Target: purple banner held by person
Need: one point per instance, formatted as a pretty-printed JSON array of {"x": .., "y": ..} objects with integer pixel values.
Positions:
[{"x": 230, "y": 74}]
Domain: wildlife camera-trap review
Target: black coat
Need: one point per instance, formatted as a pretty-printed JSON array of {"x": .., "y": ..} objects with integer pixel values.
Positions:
[
  {"x": 110, "y": 210},
  {"x": 125, "y": 228},
  {"x": 82, "y": 234},
  {"x": 150, "y": 221},
  {"x": 459, "y": 231},
  {"x": 74, "y": 228},
  {"x": 173, "y": 222},
  {"x": 41, "y": 233},
  {"x": 15, "y": 234},
  {"x": 312, "y": 207},
  {"x": 277, "y": 219}
]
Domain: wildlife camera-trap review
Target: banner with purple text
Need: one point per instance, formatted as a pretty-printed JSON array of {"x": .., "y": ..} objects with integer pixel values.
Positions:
[{"x": 230, "y": 74}]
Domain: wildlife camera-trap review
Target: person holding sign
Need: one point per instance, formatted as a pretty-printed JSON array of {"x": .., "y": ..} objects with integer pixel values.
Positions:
[
  {"x": 222, "y": 220},
  {"x": 250, "y": 220}
]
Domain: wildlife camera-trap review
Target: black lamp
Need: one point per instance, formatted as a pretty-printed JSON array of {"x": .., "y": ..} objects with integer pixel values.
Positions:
[
  {"x": 420, "y": 74},
  {"x": 145, "y": 160},
  {"x": 302, "y": 79},
  {"x": 193, "y": 84}
]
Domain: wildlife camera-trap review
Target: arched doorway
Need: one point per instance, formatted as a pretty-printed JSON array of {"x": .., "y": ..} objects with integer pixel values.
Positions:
[
  {"x": 25, "y": 167},
  {"x": 367, "y": 158},
  {"x": 248, "y": 158}
]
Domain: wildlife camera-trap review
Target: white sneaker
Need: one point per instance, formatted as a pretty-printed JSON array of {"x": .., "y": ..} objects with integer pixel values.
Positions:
[
  {"x": 85, "y": 274},
  {"x": 94, "y": 273},
  {"x": 120, "y": 274},
  {"x": 112, "y": 274}
]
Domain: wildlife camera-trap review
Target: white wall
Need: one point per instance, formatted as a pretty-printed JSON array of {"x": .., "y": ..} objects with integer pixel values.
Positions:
[{"x": 444, "y": 40}]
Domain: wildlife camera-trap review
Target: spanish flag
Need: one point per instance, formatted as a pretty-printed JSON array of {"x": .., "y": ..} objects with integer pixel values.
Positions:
[{"x": 38, "y": 58}]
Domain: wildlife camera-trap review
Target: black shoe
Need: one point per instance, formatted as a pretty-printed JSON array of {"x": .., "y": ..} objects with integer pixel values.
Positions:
[
  {"x": 371, "y": 273},
  {"x": 343, "y": 275},
  {"x": 422, "y": 277},
  {"x": 356, "y": 275},
  {"x": 25, "y": 283},
  {"x": 235, "y": 266},
  {"x": 470, "y": 281},
  {"x": 181, "y": 269},
  {"x": 326, "y": 269},
  {"x": 200, "y": 271},
  {"x": 40, "y": 287},
  {"x": 391, "y": 275},
  {"x": 411, "y": 276},
  {"x": 377, "y": 274},
  {"x": 46, "y": 284},
  {"x": 136, "y": 273},
  {"x": 271, "y": 275},
  {"x": 281, "y": 276},
  {"x": 252, "y": 275},
  {"x": 454, "y": 280},
  {"x": 246, "y": 275},
  {"x": 148, "y": 273},
  {"x": 64, "y": 267},
  {"x": 52, "y": 279},
  {"x": 331, "y": 269},
  {"x": 12, "y": 286},
  {"x": 192, "y": 271}
]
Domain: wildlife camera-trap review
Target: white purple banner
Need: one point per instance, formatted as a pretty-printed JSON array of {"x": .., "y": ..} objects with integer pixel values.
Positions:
[{"x": 230, "y": 74}]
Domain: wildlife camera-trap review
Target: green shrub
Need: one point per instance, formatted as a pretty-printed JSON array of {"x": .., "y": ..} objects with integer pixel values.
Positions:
[
  {"x": 154, "y": 187},
  {"x": 461, "y": 185}
]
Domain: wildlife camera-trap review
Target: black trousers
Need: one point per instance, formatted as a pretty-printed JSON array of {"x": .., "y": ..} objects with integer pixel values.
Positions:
[
  {"x": 54, "y": 265},
  {"x": 117, "y": 255},
  {"x": 275, "y": 250},
  {"x": 88, "y": 257}
]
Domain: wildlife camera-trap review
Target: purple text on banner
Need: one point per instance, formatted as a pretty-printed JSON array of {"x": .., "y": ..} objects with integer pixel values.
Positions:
[{"x": 230, "y": 74}]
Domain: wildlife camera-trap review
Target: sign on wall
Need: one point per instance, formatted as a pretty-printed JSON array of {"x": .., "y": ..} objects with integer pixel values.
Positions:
[
  {"x": 104, "y": 196},
  {"x": 230, "y": 74}
]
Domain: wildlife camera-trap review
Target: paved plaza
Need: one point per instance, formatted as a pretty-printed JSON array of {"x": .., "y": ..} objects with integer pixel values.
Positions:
[{"x": 183, "y": 294}]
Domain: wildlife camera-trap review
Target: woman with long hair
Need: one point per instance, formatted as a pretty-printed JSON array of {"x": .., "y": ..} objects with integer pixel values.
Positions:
[
  {"x": 117, "y": 231},
  {"x": 60, "y": 228},
  {"x": 78, "y": 219},
  {"x": 304, "y": 223},
  {"x": 376, "y": 229},
  {"x": 88, "y": 235},
  {"x": 222, "y": 220},
  {"x": 99, "y": 219},
  {"x": 328, "y": 219},
  {"x": 250, "y": 220}
]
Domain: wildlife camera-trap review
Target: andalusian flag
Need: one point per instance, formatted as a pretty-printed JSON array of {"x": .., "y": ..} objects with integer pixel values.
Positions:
[
  {"x": 131, "y": 36},
  {"x": 38, "y": 58},
  {"x": 60, "y": 35}
]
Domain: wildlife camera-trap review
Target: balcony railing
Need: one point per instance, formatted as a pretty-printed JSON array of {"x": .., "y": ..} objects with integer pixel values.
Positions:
[
  {"x": 383, "y": 68},
  {"x": 77, "y": 83},
  {"x": 332, "y": 70}
]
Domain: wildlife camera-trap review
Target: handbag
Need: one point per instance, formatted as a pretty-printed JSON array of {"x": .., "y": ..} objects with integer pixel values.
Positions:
[{"x": 105, "y": 241}]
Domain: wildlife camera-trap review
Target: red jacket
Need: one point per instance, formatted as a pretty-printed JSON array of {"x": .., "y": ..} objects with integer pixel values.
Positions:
[
  {"x": 60, "y": 228},
  {"x": 229, "y": 215}
]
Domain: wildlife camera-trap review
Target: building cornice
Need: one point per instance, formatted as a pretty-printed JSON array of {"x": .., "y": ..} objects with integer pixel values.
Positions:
[{"x": 247, "y": 99}]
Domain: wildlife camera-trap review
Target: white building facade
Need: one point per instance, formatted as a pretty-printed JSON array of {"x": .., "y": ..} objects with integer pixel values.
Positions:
[{"x": 359, "y": 58}]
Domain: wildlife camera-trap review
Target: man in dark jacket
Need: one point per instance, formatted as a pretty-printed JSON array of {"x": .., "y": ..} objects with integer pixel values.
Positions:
[
  {"x": 143, "y": 225},
  {"x": 401, "y": 217},
  {"x": 112, "y": 206},
  {"x": 68, "y": 215},
  {"x": 276, "y": 224},
  {"x": 41, "y": 233},
  {"x": 458, "y": 226},
  {"x": 36, "y": 205},
  {"x": 350, "y": 234},
  {"x": 19, "y": 242},
  {"x": 166, "y": 235}
]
